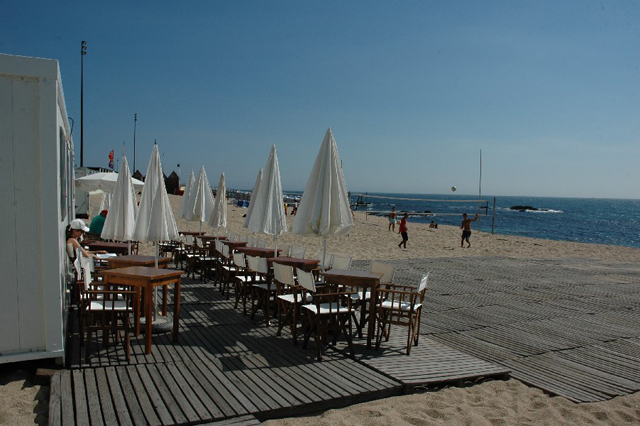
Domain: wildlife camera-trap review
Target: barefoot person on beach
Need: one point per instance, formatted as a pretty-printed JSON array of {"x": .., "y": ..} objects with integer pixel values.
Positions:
[
  {"x": 403, "y": 231},
  {"x": 466, "y": 229},
  {"x": 392, "y": 219}
]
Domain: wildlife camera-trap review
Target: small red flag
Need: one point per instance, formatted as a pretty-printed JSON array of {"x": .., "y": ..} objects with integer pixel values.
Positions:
[{"x": 111, "y": 160}]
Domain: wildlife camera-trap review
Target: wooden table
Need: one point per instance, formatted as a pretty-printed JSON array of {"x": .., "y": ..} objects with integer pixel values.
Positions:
[
  {"x": 206, "y": 239},
  {"x": 137, "y": 260},
  {"x": 257, "y": 251},
  {"x": 233, "y": 245},
  {"x": 364, "y": 279},
  {"x": 146, "y": 279},
  {"x": 298, "y": 263},
  {"x": 192, "y": 233},
  {"x": 118, "y": 248}
]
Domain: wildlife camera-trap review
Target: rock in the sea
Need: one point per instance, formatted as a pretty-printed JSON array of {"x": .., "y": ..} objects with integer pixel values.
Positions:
[{"x": 523, "y": 208}]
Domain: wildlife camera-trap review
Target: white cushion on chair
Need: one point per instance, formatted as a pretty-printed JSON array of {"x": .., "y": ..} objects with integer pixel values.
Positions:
[
  {"x": 327, "y": 308},
  {"x": 358, "y": 296},
  {"x": 118, "y": 305},
  {"x": 290, "y": 298},
  {"x": 403, "y": 306}
]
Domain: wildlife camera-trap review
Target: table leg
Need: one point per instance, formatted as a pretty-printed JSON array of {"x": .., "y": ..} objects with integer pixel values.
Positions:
[
  {"x": 176, "y": 309},
  {"x": 372, "y": 315},
  {"x": 136, "y": 311},
  {"x": 363, "y": 319},
  {"x": 148, "y": 317}
]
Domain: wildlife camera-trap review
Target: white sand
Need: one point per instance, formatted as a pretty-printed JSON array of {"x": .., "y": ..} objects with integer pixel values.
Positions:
[{"x": 490, "y": 403}]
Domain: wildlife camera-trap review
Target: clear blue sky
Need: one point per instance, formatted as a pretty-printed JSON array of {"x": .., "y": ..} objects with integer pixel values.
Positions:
[{"x": 413, "y": 90}]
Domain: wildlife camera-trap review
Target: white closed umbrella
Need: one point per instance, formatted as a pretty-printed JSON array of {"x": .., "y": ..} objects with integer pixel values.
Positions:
[
  {"x": 121, "y": 220},
  {"x": 105, "y": 182},
  {"x": 218, "y": 217},
  {"x": 155, "y": 219},
  {"x": 324, "y": 208},
  {"x": 185, "y": 196},
  {"x": 106, "y": 200},
  {"x": 268, "y": 216},
  {"x": 200, "y": 200},
  {"x": 254, "y": 196}
]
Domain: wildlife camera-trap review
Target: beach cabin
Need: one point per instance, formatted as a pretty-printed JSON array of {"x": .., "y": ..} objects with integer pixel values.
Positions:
[
  {"x": 172, "y": 183},
  {"x": 36, "y": 168}
]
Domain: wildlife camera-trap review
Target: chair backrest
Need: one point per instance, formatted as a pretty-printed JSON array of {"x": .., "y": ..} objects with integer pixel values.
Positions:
[
  {"x": 285, "y": 249},
  {"x": 238, "y": 260},
  {"x": 340, "y": 262},
  {"x": 298, "y": 251},
  {"x": 283, "y": 274},
  {"x": 327, "y": 259},
  {"x": 423, "y": 283},
  {"x": 244, "y": 238},
  {"x": 250, "y": 241},
  {"x": 306, "y": 280},
  {"x": 225, "y": 251},
  {"x": 252, "y": 263},
  {"x": 231, "y": 236},
  {"x": 385, "y": 269},
  {"x": 263, "y": 266},
  {"x": 188, "y": 240},
  {"x": 261, "y": 244}
]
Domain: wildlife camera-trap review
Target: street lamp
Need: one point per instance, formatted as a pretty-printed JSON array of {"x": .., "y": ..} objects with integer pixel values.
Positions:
[
  {"x": 135, "y": 122},
  {"x": 83, "y": 51}
]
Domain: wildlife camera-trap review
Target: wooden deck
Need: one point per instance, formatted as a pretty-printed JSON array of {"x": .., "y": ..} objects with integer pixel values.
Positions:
[
  {"x": 568, "y": 326},
  {"x": 228, "y": 367}
]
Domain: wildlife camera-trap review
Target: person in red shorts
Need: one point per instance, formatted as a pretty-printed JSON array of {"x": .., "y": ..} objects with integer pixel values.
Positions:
[{"x": 403, "y": 231}]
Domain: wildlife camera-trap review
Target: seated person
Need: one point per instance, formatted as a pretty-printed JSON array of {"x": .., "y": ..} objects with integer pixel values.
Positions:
[
  {"x": 74, "y": 233},
  {"x": 433, "y": 224},
  {"x": 98, "y": 223}
]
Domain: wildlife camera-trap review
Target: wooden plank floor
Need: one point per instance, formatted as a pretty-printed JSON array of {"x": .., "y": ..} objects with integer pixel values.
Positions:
[
  {"x": 228, "y": 367},
  {"x": 568, "y": 326}
]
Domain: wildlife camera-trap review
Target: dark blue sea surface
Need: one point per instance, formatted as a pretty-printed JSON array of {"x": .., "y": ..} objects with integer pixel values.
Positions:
[{"x": 596, "y": 221}]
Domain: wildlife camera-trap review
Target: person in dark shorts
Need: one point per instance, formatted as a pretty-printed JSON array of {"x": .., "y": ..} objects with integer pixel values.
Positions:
[
  {"x": 403, "y": 231},
  {"x": 466, "y": 229}
]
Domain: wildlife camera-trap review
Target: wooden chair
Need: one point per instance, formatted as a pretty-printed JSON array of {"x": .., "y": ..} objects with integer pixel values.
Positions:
[
  {"x": 298, "y": 251},
  {"x": 400, "y": 305},
  {"x": 328, "y": 312},
  {"x": 245, "y": 277},
  {"x": 289, "y": 296},
  {"x": 340, "y": 262},
  {"x": 262, "y": 291},
  {"x": 361, "y": 298},
  {"x": 106, "y": 308},
  {"x": 285, "y": 249}
]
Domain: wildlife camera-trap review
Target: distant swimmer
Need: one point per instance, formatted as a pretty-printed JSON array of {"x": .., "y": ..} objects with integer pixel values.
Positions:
[
  {"x": 466, "y": 229},
  {"x": 433, "y": 224},
  {"x": 392, "y": 219}
]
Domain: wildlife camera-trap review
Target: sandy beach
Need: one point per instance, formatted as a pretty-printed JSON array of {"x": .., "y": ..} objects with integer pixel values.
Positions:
[{"x": 492, "y": 402}]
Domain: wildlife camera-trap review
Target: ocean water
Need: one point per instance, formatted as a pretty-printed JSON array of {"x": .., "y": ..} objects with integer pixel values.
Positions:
[{"x": 596, "y": 221}]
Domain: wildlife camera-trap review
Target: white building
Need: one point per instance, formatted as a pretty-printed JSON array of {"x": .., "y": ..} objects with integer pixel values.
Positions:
[{"x": 36, "y": 169}]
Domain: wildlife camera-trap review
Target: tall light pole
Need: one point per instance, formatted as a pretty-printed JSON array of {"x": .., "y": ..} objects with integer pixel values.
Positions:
[
  {"x": 135, "y": 122},
  {"x": 83, "y": 51}
]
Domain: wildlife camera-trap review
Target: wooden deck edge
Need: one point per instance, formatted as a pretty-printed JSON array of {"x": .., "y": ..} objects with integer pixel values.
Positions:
[
  {"x": 317, "y": 408},
  {"x": 246, "y": 420},
  {"x": 461, "y": 382}
]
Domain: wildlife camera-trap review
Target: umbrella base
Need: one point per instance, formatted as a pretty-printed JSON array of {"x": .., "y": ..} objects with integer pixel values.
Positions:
[{"x": 159, "y": 325}]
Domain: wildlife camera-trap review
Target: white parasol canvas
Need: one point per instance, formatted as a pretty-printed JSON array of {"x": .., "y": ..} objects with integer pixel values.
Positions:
[
  {"x": 219, "y": 214},
  {"x": 106, "y": 200},
  {"x": 268, "y": 216},
  {"x": 254, "y": 196},
  {"x": 155, "y": 218},
  {"x": 121, "y": 220},
  {"x": 185, "y": 196},
  {"x": 324, "y": 209},
  {"x": 105, "y": 182},
  {"x": 200, "y": 200}
]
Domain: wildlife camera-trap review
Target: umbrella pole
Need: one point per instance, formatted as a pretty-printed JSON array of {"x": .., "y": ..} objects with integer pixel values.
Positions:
[
  {"x": 324, "y": 252},
  {"x": 275, "y": 239},
  {"x": 155, "y": 291}
]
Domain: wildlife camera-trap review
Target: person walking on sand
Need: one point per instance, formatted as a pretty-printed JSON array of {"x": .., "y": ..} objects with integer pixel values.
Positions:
[
  {"x": 392, "y": 219},
  {"x": 403, "y": 231},
  {"x": 466, "y": 229}
]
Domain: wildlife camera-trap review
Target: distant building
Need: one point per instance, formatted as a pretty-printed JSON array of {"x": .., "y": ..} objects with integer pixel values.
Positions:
[
  {"x": 172, "y": 183},
  {"x": 138, "y": 175}
]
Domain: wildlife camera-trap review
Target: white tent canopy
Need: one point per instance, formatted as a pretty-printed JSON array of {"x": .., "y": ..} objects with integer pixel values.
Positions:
[
  {"x": 120, "y": 222},
  {"x": 105, "y": 182}
]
